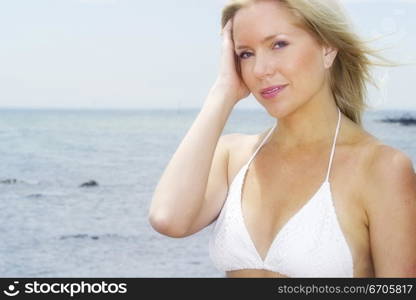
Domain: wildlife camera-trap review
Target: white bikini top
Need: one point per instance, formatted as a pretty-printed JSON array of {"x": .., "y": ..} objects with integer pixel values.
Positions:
[{"x": 310, "y": 244}]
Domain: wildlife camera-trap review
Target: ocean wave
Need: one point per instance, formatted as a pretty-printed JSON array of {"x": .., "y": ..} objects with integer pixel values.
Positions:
[
  {"x": 18, "y": 181},
  {"x": 96, "y": 236}
]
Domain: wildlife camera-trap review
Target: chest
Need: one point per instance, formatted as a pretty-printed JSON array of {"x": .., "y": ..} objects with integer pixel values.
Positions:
[{"x": 276, "y": 190}]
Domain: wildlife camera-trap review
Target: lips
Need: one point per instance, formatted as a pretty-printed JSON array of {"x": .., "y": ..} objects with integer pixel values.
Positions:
[{"x": 272, "y": 91}]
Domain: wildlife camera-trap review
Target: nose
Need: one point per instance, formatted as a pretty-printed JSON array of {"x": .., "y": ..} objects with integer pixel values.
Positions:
[{"x": 264, "y": 66}]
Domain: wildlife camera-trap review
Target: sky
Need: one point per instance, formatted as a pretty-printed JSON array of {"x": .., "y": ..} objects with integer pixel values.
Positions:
[{"x": 133, "y": 54}]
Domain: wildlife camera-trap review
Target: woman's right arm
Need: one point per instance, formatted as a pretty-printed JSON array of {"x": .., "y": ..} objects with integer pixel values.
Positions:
[{"x": 193, "y": 187}]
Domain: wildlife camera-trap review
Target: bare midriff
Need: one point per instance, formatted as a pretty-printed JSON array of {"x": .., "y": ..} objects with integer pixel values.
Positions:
[{"x": 254, "y": 273}]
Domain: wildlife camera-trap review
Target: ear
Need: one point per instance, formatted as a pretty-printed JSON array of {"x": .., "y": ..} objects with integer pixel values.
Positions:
[{"x": 329, "y": 54}]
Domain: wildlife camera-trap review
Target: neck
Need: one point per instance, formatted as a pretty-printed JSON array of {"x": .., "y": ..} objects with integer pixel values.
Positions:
[{"x": 314, "y": 123}]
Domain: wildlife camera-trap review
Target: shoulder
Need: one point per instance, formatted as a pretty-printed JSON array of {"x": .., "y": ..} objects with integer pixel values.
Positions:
[
  {"x": 390, "y": 178},
  {"x": 237, "y": 145},
  {"x": 379, "y": 162},
  {"x": 228, "y": 142},
  {"x": 241, "y": 145},
  {"x": 231, "y": 139},
  {"x": 239, "y": 140},
  {"x": 389, "y": 164}
]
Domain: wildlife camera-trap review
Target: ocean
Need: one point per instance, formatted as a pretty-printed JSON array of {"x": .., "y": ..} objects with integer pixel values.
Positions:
[{"x": 53, "y": 227}]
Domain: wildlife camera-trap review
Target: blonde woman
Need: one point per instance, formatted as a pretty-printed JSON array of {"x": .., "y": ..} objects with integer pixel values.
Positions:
[{"x": 313, "y": 196}]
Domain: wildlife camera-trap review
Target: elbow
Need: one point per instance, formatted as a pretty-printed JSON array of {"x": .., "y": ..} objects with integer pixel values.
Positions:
[{"x": 166, "y": 226}]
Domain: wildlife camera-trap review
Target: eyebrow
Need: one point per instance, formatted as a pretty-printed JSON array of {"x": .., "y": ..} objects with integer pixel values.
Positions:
[{"x": 263, "y": 41}]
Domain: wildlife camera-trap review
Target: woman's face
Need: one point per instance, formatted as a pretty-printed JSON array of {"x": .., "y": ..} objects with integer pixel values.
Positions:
[{"x": 290, "y": 56}]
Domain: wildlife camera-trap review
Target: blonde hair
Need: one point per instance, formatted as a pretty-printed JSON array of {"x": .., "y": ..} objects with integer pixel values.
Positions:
[{"x": 327, "y": 22}]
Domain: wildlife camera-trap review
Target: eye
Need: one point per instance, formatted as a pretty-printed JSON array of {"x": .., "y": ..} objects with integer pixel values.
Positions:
[
  {"x": 242, "y": 55},
  {"x": 281, "y": 44}
]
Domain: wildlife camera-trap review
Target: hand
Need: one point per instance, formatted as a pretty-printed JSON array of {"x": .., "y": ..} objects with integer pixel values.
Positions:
[{"x": 229, "y": 80}]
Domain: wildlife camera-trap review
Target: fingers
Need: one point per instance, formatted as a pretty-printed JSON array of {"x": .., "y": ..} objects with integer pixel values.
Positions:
[
  {"x": 227, "y": 28},
  {"x": 226, "y": 35},
  {"x": 227, "y": 47}
]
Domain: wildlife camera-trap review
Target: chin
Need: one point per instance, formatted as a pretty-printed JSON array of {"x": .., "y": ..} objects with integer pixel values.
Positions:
[
  {"x": 276, "y": 109},
  {"x": 282, "y": 108}
]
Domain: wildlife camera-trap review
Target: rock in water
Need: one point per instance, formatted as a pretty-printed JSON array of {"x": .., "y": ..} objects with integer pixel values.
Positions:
[
  {"x": 9, "y": 181},
  {"x": 90, "y": 183},
  {"x": 406, "y": 120}
]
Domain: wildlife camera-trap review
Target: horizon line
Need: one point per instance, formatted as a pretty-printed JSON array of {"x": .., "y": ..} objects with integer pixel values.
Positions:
[{"x": 160, "y": 108}]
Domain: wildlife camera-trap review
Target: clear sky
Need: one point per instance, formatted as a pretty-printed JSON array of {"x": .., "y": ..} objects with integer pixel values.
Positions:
[{"x": 156, "y": 54}]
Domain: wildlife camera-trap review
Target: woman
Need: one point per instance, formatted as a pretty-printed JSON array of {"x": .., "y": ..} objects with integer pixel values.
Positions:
[{"x": 314, "y": 196}]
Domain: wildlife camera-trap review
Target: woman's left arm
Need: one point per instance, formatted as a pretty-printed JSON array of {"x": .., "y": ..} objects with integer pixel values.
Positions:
[{"x": 391, "y": 209}]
